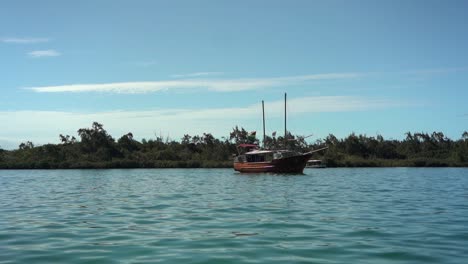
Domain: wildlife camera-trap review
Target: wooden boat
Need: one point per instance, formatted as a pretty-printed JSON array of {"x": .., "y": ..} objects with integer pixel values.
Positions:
[
  {"x": 276, "y": 161},
  {"x": 252, "y": 159}
]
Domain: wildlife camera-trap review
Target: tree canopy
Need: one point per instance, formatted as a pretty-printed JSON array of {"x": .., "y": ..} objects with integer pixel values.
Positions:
[{"x": 95, "y": 148}]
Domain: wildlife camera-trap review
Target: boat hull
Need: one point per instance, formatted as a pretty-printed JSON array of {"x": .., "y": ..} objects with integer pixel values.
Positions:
[{"x": 294, "y": 164}]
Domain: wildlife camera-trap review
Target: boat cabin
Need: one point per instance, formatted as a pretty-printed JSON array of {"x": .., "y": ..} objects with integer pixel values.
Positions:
[{"x": 258, "y": 155}]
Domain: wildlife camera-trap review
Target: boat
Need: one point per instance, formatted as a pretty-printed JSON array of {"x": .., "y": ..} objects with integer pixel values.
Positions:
[
  {"x": 315, "y": 164},
  {"x": 275, "y": 161},
  {"x": 252, "y": 159}
]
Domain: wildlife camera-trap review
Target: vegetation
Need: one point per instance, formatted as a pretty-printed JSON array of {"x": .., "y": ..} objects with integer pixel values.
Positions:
[{"x": 95, "y": 148}]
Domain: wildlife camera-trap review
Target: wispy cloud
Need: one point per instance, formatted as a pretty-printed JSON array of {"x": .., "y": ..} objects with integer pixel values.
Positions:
[
  {"x": 219, "y": 85},
  {"x": 44, "y": 53},
  {"x": 196, "y": 74},
  {"x": 24, "y": 40},
  {"x": 176, "y": 122}
]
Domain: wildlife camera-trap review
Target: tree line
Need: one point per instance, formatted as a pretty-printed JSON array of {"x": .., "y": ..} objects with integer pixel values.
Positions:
[{"x": 95, "y": 148}]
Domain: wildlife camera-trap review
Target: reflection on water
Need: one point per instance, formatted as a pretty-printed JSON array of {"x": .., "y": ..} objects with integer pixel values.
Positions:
[{"x": 203, "y": 215}]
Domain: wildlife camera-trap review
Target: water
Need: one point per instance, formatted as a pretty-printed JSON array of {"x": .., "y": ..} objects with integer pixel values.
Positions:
[{"x": 219, "y": 216}]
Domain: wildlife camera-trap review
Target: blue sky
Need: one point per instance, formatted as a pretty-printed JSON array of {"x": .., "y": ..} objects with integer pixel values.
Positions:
[{"x": 175, "y": 67}]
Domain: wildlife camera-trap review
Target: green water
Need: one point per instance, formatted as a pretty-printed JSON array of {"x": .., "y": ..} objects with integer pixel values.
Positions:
[{"x": 219, "y": 216}]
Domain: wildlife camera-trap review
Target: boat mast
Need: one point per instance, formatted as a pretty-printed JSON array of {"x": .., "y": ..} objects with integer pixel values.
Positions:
[
  {"x": 263, "y": 111},
  {"x": 285, "y": 118}
]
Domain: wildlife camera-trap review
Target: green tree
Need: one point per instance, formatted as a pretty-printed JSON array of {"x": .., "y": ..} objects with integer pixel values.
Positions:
[
  {"x": 127, "y": 143},
  {"x": 67, "y": 140},
  {"x": 465, "y": 135},
  {"x": 239, "y": 135},
  {"x": 27, "y": 145},
  {"x": 186, "y": 139},
  {"x": 96, "y": 140}
]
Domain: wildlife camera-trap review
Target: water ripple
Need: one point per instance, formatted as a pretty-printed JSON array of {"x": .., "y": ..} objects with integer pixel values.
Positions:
[{"x": 218, "y": 216}]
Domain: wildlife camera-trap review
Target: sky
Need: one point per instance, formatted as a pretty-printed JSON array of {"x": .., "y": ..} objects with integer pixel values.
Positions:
[{"x": 169, "y": 68}]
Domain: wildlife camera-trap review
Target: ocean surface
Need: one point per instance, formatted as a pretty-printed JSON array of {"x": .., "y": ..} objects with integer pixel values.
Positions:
[{"x": 382, "y": 215}]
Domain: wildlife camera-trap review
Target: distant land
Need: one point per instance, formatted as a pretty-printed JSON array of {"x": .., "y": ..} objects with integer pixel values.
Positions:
[{"x": 94, "y": 148}]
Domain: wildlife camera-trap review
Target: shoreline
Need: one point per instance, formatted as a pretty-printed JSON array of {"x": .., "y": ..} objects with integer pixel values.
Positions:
[
  {"x": 101, "y": 166},
  {"x": 96, "y": 149}
]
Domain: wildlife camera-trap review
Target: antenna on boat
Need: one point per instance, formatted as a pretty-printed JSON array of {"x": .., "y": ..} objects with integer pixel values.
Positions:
[
  {"x": 285, "y": 131},
  {"x": 263, "y": 111}
]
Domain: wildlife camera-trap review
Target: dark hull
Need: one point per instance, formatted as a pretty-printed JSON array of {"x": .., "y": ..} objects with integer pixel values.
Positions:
[{"x": 294, "y": 164}]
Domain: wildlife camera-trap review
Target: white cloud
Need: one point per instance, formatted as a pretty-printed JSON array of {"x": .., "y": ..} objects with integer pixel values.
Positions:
[
  {"x": 24, "y": 40},
  {"x": 44, "y": 53},
  {"x": 219, "y": 85},
  {"x": 45, "y": 126},
  {"x": 196, "y": 74}
]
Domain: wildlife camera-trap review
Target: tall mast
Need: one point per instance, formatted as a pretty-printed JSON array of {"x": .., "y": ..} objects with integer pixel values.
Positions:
[
  {"x": 263, "y": 110},
  {"x": 285, "y": 131}
]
